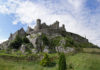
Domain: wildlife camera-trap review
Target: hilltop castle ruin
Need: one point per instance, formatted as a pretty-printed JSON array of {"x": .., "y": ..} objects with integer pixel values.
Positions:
[
  {"x": 40, "y": 27},
  {"x": 47, "y": 29},
  {"x": 34, "y": 36}
]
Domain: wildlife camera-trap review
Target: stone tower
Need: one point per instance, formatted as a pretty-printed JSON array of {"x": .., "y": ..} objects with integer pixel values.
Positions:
[
  {"x": 63, "y": 27},
  {"x": 38, "y": 25},
  {"x": 57, "y": 24}
]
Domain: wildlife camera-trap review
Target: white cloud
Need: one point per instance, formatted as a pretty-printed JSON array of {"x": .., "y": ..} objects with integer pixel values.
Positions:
[
  {"x": 2, "y": 40},
  {"x": 72, "y": 13}
]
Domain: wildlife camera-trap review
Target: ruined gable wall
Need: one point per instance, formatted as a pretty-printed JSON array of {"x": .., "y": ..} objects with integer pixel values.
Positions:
[{"x": 20, "y": 33}]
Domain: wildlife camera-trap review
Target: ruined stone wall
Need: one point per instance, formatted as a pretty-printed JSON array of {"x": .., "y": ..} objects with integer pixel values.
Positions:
[
  {"x": 38, "y": 25},
  {"x": 50, "y": 31},
  {"x": 29, "y": 30},
  {"x": 20, "y": 33},
  {"x": 55, "y": 25},
  {"x": 44, "y": 26}
]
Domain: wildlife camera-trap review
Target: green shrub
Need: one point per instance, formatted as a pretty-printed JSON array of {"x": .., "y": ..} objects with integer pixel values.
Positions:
[
  {"x": 15, "y": 44},
  {"x": 18, "y": 41},
  {"x": 45, "y": 39},
  {"x": 62, "y": 62},
  {"x": 46, "y": 61},
  {"x": 55, "y": 41},
  {"x": 28, "y": 48},
  {"x": 69, "y": 42},
  {"x": 25, "y": 40}
]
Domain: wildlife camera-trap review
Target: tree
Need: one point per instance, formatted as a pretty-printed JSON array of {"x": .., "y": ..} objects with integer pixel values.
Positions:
[{"x": 62, "y": 62}]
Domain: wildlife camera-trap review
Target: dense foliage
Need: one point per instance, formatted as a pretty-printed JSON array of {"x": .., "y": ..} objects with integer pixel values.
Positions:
[
  {"x": 69, "y": 42},
  {"x": 45, "y": 39},
  {"x": 18, "y": 41},
  {"x": 25, "y": 40},
  {"x": 55, "y": 41},
  {"x": 45, "y": 61}
]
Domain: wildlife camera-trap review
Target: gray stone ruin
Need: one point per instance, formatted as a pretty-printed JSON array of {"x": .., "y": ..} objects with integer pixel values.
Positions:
[{"x": 47, "y": 29}]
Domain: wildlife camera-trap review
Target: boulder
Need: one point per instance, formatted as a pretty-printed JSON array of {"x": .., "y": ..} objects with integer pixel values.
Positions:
[
  {"x": 23, "y": 48},
  {"x": 34, "y": 51},
  {"x": 46, "y": 49}
]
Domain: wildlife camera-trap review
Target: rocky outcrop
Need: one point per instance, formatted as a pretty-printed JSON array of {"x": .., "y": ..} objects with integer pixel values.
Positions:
[
  {"x": 46, "y": 49},
  {"x": 23, "y": 48},
  {"x": 35, "y": 39}
]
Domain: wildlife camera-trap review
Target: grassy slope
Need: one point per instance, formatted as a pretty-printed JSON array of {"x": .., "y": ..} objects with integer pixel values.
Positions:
[
  {"x": 84, "y": 61},
  {"x": 10, "y": 65},
  {"x": 80, "y": 61}
]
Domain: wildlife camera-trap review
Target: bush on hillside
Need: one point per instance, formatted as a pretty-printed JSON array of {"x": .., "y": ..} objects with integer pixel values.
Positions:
[
  {"x": 55, "y": 41},
  {"x": 18, "y": 41},
  {"x": 45, "y": 39},
  {"x": 15, "y": 44},
  {"x": 28, "y": 48},
  {"x": 25, "y": 40},
  {"x": 69, "y": 42},
  {"x": 46, "y": 62}
]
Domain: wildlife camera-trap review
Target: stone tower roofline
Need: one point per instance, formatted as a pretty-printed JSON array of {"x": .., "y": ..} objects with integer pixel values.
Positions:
[
  {"x": 55, "y": 25},
  {"x": 38, "y": 21}
]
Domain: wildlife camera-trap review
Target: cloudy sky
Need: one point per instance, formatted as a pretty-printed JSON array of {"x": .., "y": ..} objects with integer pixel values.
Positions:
[{"x": 79, "y": 16}]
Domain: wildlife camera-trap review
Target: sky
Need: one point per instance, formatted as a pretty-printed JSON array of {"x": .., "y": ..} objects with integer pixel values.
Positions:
[{"x": 79, "y": 16}]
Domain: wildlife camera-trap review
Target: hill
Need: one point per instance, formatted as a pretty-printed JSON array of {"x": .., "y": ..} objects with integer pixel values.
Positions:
[{"x": 45, "y": 38}]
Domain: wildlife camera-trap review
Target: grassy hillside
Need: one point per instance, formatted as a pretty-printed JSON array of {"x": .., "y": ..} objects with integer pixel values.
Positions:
[
  {"x": 79, "y": 61},
  {"x": 84, "y": 61}
]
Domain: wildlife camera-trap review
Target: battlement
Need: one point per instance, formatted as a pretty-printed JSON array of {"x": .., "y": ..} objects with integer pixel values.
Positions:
[{"x": 41, "y": 26}]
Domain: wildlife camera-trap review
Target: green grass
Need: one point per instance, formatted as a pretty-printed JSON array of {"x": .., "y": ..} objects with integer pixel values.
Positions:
[
  {"x": 84, "y": 61},
  {"x": 92, "y": 50},
  {"x": 79, "y": 61},
  {"x": 10, "y": 65}
]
